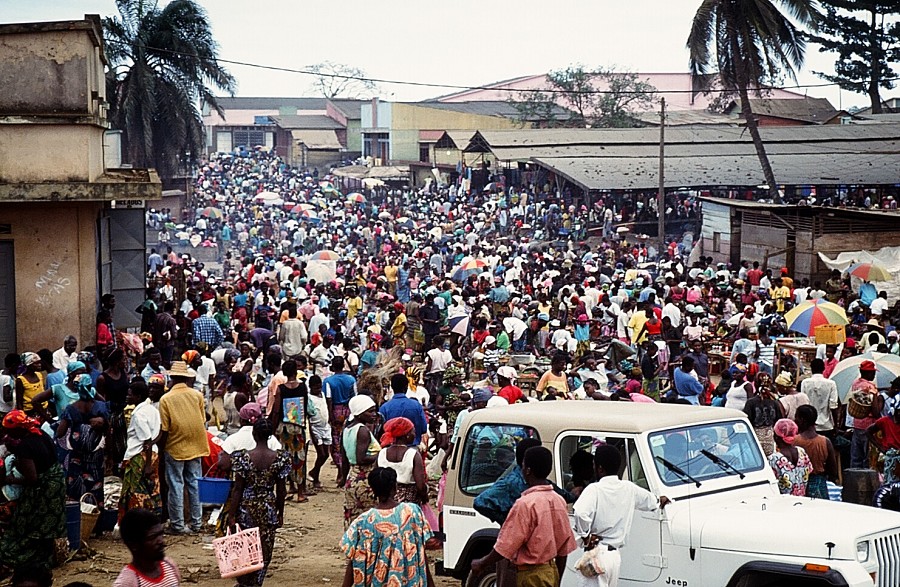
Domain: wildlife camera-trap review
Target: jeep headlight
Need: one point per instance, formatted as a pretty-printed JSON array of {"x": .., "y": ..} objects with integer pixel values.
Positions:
[{"x": 862, "y": 551}]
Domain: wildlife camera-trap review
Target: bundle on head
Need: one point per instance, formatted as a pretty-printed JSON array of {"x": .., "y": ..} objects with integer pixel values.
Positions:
[{"x": 375, "y": 380}]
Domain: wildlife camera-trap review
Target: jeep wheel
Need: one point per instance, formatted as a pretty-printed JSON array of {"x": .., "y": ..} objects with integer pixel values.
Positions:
[{"x": 487, "y": 579}]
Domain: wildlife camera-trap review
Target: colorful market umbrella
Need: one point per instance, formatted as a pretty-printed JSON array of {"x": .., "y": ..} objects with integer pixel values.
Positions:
[
  {"x": 847, "y": 371},
  {"x": 459, "y": 324},
  {"x": 267, "y": 196},
  {"x": 307, "y": 214},
  {"x": 214, "y": 213},
  {"x": 325, "y": 255},
  {"x": 356, "y": 197},
  {"x": 869, "y": 272},
  {"x": 807, "y": 315},
  {"x": 473, "y": 264},
  {"x": 302, "y": 208}
]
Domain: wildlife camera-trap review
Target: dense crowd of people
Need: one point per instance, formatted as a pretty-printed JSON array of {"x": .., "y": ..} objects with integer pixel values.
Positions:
[{"x": 366, "y": 327}]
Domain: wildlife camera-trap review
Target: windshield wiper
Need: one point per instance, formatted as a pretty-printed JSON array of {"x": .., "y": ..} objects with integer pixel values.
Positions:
[
  {"x": 722, "y": 463},
  {"x": 677, "y": 470}
]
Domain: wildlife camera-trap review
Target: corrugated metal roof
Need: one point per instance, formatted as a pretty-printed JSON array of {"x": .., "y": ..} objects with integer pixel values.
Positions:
[
  {"x": 809, "y": 110},
  {"x": 311, "y": 122},
  {"x": 352, "y": 109},
  {"x": 693, "y": 149},
  {"x": 637, "y": 136},
  {"x": 489, "y": 108},
  {"x": 378, "y": 172},
  {"x": 630, "y": 173},
  {"x": 317, "y": 139},
  {"x": 257, "y": 103}
]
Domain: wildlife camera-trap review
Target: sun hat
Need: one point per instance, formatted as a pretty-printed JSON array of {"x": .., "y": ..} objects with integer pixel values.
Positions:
[
  {"x": 507, "y": 372},
  {"x": 180, "y": 369}
]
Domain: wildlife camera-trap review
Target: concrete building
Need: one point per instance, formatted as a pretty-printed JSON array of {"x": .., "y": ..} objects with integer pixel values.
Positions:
[{"x": 71, "y": 228}]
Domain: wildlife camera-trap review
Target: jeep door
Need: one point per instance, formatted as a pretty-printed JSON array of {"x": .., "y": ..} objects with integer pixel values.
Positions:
[{"x": 642, "y": 554}]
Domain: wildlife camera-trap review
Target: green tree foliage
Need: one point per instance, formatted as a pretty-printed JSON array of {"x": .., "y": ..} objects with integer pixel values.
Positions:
[
  {"x": 162, "y": 64},
  {"x": 866, "y": 40},
  {"x": 601, "y": 97},
  {"x": 747, "y": 42}
]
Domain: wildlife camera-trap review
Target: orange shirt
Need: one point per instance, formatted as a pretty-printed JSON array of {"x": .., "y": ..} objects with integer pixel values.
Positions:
[{"x": 537, "y": 529}]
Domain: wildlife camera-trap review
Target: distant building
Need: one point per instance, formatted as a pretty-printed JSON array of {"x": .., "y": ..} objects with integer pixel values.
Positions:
[
  {"x": 71, "y": 227},
  {"x": 682, "y": 91}
]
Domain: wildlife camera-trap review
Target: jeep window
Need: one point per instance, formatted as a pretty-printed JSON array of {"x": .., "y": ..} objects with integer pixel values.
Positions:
[
  {"x": 583, "y": 445},
  {"x": 732, "y": 442},
  {"x": 489, "y": 450}
]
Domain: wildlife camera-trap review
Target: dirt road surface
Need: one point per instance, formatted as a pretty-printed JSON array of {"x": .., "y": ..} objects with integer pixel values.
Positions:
[{"x": 306, "y": 551}]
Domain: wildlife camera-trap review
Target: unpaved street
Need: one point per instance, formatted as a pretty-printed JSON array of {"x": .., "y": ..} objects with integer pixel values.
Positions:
[{"x": 306, "y": 551}]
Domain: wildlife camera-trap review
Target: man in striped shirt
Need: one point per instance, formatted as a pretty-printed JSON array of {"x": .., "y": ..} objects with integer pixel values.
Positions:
[{"x": 765, "y": 351}]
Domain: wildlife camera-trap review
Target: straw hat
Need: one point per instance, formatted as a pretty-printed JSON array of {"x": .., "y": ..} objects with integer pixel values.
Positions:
[{"x": 180, "y": 369}]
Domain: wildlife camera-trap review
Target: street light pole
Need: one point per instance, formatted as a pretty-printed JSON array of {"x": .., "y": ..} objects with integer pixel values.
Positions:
[{"x": 661, "y": 194}]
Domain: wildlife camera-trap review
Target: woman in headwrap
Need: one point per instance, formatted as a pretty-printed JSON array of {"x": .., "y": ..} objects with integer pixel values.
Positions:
[
  {"x": 764, "y": 410},
  {"x": 790, "y": 463},
  {"x": 360, "y": 449},
  {"x": 85, "y": 421},
  {"x": 29, "y": 384},
  {"x": 397, "y": 453},
  {"x": 39, "y": 517}
]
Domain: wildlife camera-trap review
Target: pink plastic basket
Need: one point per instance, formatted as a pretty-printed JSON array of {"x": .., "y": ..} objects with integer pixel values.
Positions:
[{"x": 239, "y": 553}]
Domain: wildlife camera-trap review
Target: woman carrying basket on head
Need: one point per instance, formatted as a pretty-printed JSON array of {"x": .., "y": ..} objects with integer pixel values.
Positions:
[{"x": 259, "y": 480}]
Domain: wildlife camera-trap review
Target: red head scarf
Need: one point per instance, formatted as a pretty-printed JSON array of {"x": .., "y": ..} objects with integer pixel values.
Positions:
[
  {"x": 18, "y": 419},
  {"x": 395, "y": 429}
]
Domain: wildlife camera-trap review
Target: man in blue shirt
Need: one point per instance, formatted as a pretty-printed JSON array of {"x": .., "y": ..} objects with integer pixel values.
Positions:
[
  {"x": 154, "y": 261},
  {"x": 207, "y": 330},
  {"x": 339, "y": 389},
  {"x": 402, "y": 406},
  {"x": 686, "y": 386}
]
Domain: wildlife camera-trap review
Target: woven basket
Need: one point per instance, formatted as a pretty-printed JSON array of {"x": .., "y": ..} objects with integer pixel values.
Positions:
[
  {"x": 857, "y": 408},
  {"x": 88, "y": 518},
  {"x": 239, "y": 553}
]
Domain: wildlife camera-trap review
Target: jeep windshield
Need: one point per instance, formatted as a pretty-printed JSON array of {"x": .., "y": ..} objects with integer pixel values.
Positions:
[{"x": 706, "y": 451}]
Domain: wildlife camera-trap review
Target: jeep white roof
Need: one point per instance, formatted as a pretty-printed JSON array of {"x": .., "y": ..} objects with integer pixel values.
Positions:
[{"x": 608, "y": 416}]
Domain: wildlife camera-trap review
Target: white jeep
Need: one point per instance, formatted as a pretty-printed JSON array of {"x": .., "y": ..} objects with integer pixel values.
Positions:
[{"x": 727, "y": 525}]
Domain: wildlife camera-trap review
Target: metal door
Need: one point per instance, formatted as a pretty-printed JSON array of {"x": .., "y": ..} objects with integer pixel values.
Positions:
[
  {"x": 7, "y": 299},
  {"x": 127, "y": 263}
]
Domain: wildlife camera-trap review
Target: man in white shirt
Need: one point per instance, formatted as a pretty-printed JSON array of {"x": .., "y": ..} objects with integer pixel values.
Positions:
[
  {"x": 879, "y": 305},
  {"x": 604, "y": 513},
  {"x": 673, "y": 312},
  {"x": 243, "y": 438},
  {"x": 62, "y": 357},
  {"x": 292, "y": 335},
  {"x": 823, "y": 396}
]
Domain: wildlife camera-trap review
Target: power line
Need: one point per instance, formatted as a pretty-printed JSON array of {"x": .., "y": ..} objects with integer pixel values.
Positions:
[{"x": 376, "y": 80}]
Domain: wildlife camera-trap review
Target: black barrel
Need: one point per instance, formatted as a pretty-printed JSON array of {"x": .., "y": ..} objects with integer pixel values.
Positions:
[{"x": 860, "y": 486}]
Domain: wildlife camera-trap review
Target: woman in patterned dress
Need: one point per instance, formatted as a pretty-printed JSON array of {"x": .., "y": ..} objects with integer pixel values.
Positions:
[
  {"x": 790, "y": 463},
  {"x": 259, "y": 478},
  {"x": 386, "y": 544}
]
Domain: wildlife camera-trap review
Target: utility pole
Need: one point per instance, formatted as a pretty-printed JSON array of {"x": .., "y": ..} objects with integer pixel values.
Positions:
[{"x": 661, "y": 194}]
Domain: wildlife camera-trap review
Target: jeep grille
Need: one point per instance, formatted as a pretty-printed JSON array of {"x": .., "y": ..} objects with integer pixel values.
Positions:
[{"x": 887, "y": 551}]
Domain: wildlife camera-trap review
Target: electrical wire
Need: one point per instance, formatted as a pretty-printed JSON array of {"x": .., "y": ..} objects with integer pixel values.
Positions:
[{"x": 495, "y": 88}]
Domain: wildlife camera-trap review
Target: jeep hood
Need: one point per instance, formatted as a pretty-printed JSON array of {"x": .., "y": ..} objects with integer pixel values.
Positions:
[{"x": 761, "y": 524}]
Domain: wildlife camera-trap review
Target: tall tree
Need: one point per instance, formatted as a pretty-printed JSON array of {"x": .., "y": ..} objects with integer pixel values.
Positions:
[
  {"x": 748, "y": 41},
  {"x": 866, "y": 42},
  {"x": 601, "y": 97},
  {"x": 162, "y": 64},
  {"x": 336, "y": 80}
]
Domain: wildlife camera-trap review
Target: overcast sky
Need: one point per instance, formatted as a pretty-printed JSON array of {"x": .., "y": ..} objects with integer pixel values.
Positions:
[{"x": 465, "y": 42}]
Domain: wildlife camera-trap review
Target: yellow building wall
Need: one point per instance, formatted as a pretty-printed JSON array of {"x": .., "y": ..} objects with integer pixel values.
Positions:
[
  {"x": 77, "y": 153},
  {"x": 56, "y": 272},
  {"x": 408, "y": 119}
]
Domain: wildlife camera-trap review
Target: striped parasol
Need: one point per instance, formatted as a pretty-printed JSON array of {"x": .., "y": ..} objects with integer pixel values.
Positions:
[
  {"x": 807, "y": 315},
  {"x": 325, "y": 255},
  {"x": 869, "y": 272},
  {"x": 214, "y": 213},
  {"x": 847, "y": 371},
  {"x": 459, "y": 324},
  {"x": 356, "y": 197}
]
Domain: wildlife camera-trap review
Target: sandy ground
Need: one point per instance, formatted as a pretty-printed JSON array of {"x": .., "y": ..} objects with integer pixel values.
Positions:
[{"x": 306, "y": 551}]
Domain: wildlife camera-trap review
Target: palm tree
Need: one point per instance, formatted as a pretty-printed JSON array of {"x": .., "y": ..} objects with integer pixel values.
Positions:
[
  {"x": 162, "y": 64},
  {"x": 748, "y": 42}
]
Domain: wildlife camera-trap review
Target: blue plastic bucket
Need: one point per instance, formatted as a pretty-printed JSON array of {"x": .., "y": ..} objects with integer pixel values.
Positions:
[
  {"x": 73, "y": 525},
  {"x": 214, "y": 491}
]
